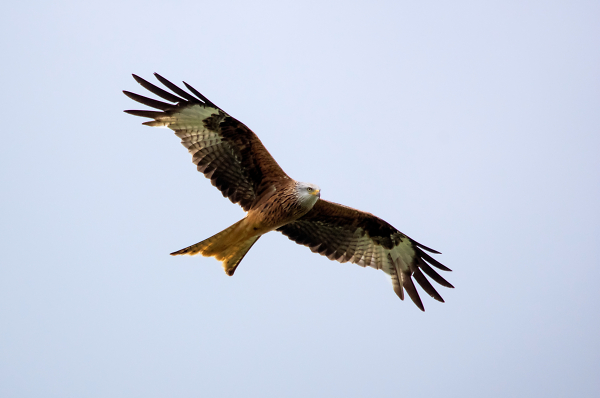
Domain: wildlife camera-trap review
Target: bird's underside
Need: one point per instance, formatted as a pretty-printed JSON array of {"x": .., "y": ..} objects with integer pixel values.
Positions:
[{"x": 233, "y": 158}]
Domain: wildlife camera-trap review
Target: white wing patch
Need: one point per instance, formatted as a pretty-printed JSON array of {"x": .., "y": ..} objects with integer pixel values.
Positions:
[
  {"x": 188, "y": 118},
  {"x": 403, "y": 254},
  {"x": 394, "y": 262},
  {"x": 362, "y": 251}
]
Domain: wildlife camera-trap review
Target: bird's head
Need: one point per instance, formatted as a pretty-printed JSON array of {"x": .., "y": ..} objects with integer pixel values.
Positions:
[{"x": 308, "y": 193}]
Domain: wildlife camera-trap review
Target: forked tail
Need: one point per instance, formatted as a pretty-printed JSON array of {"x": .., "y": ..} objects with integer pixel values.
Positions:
[{"x": 228, "y": 246}]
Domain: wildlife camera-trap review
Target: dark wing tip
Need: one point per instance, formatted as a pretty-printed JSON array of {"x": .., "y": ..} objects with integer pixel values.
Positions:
[
  {"x": 150, "y": 114},
  {"x": 131, "y": 95},
  {"x": 148, "y": 101},
  {"x": 177, "y": 90},
  {"x": 426, "y": 285},
  {"x": 199, "y": 95},
  {"x": 432, "y": 274},
  {"x": 410, "y": 288},
  {"x": 422, "y": 246},
  {"x": 432, "y": 260},
  {"x": 157, "y": 90}
]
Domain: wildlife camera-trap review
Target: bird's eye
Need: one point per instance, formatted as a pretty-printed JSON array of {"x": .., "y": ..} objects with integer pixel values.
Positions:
[{"x": 309, "y": 189}]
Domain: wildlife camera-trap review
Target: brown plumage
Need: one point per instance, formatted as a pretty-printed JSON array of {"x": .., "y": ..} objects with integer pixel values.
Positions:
[{"x": 237, "y": 163}]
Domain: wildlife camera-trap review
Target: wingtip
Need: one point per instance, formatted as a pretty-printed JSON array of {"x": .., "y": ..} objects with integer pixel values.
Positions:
[
  {"x": 432, "y": 261},
  {"x": 425, "y": 284},
  {"x": 410, "y": 288},
  {"x": 422, "y": 246},
  {"x": 138, "y": 79},
  {"x": 419, "y": 304}
]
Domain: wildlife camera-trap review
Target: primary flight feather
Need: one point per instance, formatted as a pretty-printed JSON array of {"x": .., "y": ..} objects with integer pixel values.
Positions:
[{"x": 237, "y": 163}]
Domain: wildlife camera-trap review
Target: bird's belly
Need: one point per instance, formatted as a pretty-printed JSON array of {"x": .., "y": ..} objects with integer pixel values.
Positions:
[{"x": 265, "y": 221}]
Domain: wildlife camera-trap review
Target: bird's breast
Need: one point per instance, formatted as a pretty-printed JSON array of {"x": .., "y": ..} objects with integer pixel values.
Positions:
[{"x": 279, "y": 210}]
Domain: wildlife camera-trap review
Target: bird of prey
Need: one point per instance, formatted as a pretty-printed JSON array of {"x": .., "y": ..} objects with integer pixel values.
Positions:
[{"x": 237, "y": 163}]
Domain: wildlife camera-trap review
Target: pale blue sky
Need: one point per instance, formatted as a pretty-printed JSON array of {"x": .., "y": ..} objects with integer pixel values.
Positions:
[{"x": 473, "y": 127}]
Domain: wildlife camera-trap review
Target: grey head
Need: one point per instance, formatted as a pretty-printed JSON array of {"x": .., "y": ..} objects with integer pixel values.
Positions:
[{"x": 308, "y": 194}]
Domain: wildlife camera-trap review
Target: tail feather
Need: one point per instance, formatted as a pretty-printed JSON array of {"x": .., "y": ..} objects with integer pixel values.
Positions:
[
  {"x": 212, "y": 246},
  {"x": 227, "y": 246},
  {"x": 234, "y": 254}
]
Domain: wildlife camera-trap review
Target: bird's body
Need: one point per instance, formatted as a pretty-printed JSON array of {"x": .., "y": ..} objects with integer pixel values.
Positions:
[
  {"x": 279, "y": 208},
  {"x": 238, "y": 164}
]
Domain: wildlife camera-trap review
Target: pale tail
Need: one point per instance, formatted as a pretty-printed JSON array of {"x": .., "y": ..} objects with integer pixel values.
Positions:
[
  {"x": 223, "y": 247},
  {"x": 234, "y": 254}
]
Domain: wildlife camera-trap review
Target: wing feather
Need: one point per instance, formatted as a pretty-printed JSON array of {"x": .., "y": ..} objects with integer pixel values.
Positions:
[
  {"x": 150, "y": 114},
  {"x": 432, "y": 274},
  {"x": 425, "y": 284},
  {"x": 432, "y": 261},
  {"x": 223, "y": 149},
  {"x": 156, "y": 90},
  {"x": 176, "y": 89},
  {"x": 199, "y": 95},
  {"x": 345, "y": 234},
  {"x": 148, "y": 101},
  {"x": 397, "y": 286},
  {"x": 410, "y": 288}
]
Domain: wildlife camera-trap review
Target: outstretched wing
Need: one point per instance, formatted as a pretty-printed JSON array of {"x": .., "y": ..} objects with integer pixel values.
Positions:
[
  {"x": 345, "y": 234},
  {"x": 223, "y": 148}
]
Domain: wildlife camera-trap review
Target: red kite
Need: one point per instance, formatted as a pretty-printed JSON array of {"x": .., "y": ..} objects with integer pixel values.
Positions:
[{"x": 237, "y": 163}]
